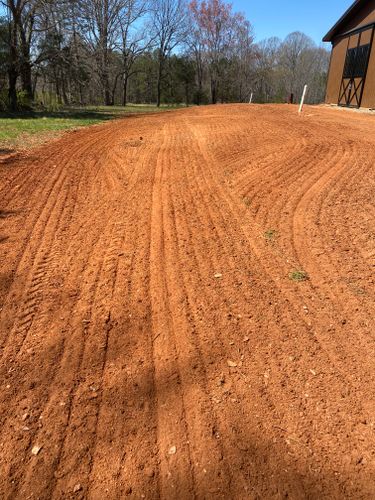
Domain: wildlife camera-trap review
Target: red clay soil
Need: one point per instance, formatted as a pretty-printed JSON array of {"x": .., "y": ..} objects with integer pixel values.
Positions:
[{"x": 153, "y": 344}]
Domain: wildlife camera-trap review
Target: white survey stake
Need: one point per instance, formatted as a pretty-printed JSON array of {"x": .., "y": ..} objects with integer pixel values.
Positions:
[{"x": 303, "y": 99}]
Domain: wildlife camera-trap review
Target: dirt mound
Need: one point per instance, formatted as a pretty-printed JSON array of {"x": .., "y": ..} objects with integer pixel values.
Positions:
[{"x": 187, "y": 308}]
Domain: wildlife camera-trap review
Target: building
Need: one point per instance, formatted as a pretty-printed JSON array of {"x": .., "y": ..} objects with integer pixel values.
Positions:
[{"x": 351, "y": 78}]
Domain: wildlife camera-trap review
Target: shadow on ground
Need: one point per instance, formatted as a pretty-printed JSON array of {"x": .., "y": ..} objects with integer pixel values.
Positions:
[
  {"x": 72, "y": 114},
  {"x": 6, "y": 214},
  {"x": 265, "y": 468},
  {"x": 6, "y": 151}
]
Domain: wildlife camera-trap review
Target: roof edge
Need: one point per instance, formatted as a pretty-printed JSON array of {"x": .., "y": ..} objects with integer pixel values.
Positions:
[{"x": 352, "y": 10}]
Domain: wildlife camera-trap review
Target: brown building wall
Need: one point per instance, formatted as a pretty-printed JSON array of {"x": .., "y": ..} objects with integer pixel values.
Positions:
[
  {"x": 336, "y": 69},
  {"x": 339, "y": 48},
  {"x": 368, "y": 99}
]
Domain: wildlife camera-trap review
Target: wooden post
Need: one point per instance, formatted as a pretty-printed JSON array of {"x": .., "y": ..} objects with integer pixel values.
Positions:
[
  {"x": 251, "y": 98},
  {"x": 303, "y": 99}
]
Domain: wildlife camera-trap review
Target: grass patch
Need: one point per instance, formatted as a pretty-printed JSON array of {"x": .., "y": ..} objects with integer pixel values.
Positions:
[
  {"x": 298, "y": 276},
  {"x": 270, "y": 234},
  {"x": 247, "y": 201},
  {"x": 22, "y": 130}
]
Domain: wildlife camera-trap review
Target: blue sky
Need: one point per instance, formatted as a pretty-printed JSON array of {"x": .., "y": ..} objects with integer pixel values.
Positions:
[{"x": 279, "y": 18}]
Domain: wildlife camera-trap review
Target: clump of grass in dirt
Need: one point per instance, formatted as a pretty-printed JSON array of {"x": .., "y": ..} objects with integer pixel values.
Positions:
[
  {"x": 246, "y": 200},
  {"x": 270, "y": 235},
  {"x": 299, "y": 276}
]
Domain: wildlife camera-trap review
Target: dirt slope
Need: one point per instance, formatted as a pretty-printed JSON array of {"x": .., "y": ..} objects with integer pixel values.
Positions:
[{"x": 152, "y": 343}]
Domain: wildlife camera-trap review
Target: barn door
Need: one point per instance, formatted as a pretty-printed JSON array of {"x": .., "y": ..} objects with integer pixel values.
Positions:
[{"x": 355, "y": 70}]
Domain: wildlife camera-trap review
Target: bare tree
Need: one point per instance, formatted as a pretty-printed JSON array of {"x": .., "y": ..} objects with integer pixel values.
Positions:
[
  {"x": 284, "y": 67},
  {"x": 195, "y": 47},
  {"x": 291, "y": 56},
  {"x": 134, "y": 41},
  {"x": 265, "y": 68},
  {"x": 168, "y": 27},
  {"x": 107, "y": 51},
  {"x": 23, "y": 16},
  {"x": 217, "y": 28},
  {"x": 243, "y": 54},
  {"x": 101, "y": 18},
  {"x": 12, "y": 66}
]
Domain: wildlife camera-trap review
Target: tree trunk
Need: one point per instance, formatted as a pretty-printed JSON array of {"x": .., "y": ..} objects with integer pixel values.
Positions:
[
  {"x": 63, "y": 88},
  {"x": 114, "y": 89},
  {"x": 199, "y": 77},
  {"x": 200, "y": 92},
  {"x": 35, "y": 82},
  {"x": 81, "y": 102},
  {"x": 57, "y": 85},
  {"x": 26, "y": 79},
  {"x": 12, "y": 75},
  {"x": 213, "y": 91},
  {"x": 105, "y": 83},
  {"x": 77, "y": 58},
  {"x": 108, "y": 100},
  {"x": 25, "y": 63},
  {"x": 104, "y": 67},
  {"x": 113, "y": 94},
  {"x": 105, "y": 54},
  {"x": 12, "y": 70},
  {"x": 158, "y": 101},
  {"x": 160, "y": 75},
  {"x": 125, "y": 90},
  {"x": 107, "y": 92}
]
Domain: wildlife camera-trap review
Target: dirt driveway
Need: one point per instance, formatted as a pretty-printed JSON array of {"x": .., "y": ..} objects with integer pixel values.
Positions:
[{"x": 187, "y": 308}]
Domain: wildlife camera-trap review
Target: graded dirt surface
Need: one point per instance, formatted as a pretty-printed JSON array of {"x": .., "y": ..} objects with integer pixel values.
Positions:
[{"x": 153, "y": 343}]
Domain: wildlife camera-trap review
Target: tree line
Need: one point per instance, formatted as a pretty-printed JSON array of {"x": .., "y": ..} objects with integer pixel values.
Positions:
[{"x": 79, "y": 52}]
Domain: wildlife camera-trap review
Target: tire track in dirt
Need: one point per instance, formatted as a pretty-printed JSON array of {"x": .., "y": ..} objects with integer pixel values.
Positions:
[
  {"x": 91, "y": 370},
  {"x": 338, "y": 340},
  {"x": 78, "y": 465},
  {"x": 210, "y": 474},
  {"x": 129, "y": 381},
  {"x": 126, "y": 346},
  {"x": 293, "y": 208},
  {"x": 175, "y": 464},
  {"x": 38, "y": 279},
  {"x": 88, "y": 362},
  {"x": 38, "y": 191},
  {"x": 52, "y": 232},
  {"x": 331, "y": 184},
  {"x": 241, "y": 486},
  {"x": 208, "y": 162},
  {"x": 216, "y": 375}
]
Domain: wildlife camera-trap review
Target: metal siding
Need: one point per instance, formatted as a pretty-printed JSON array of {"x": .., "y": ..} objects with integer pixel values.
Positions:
[
  {"x": 368, "y": 99},
  {"x": 353, "y": 41},
  {"x": 339, "y": 48},
  {"x": 366, "y": 37},
  {"x": 336, "y": 70}
]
